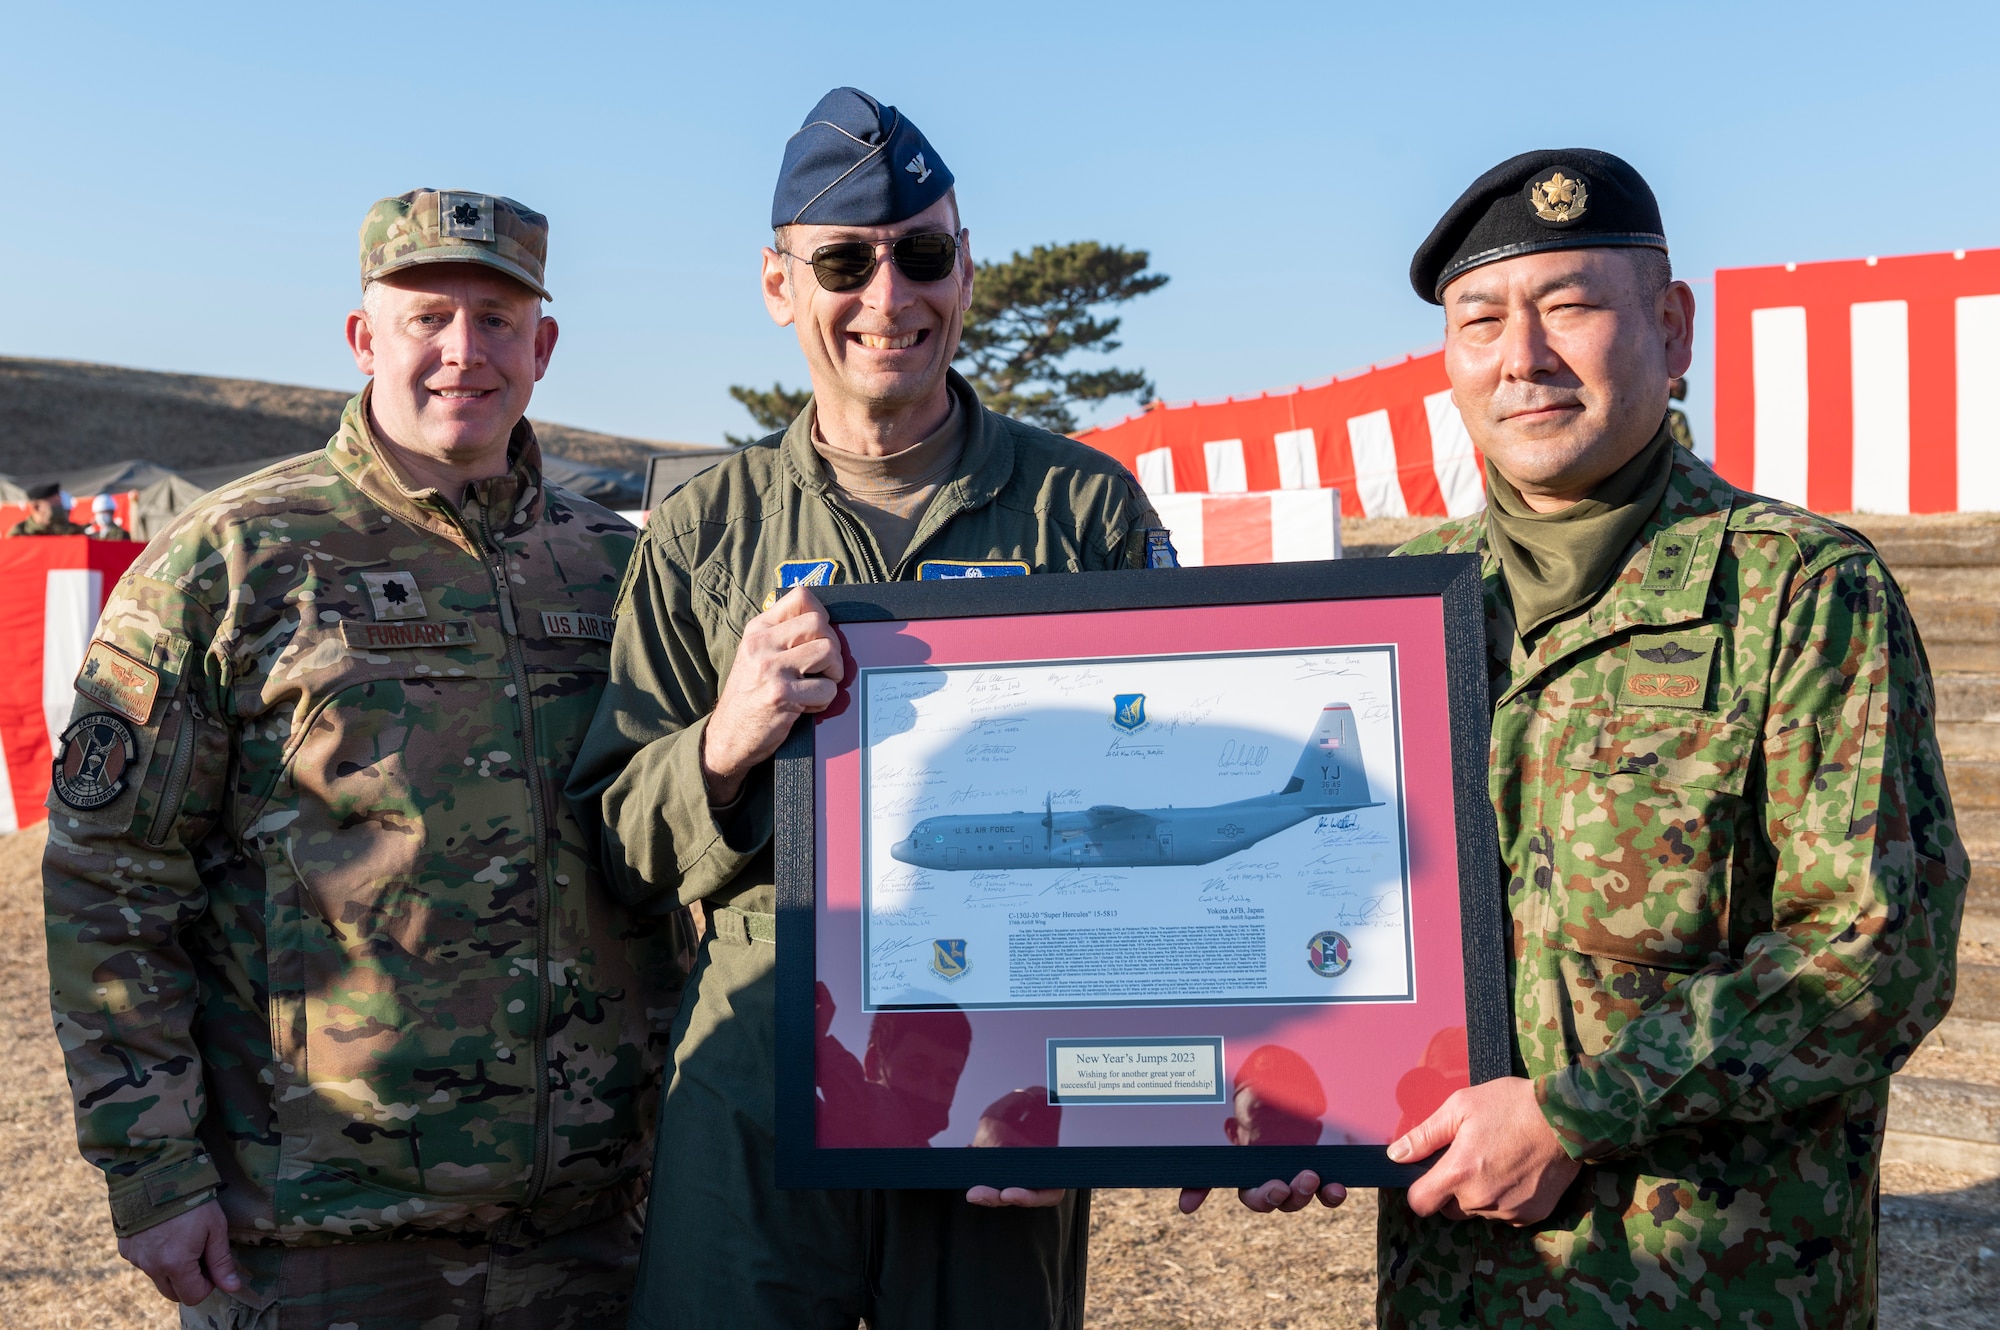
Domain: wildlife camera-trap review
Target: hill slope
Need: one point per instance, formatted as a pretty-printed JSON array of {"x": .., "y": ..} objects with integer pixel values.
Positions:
[{"x": 61, "y": 415}]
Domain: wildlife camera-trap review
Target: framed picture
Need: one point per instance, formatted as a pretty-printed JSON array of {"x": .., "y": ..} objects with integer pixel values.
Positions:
[{"x": 1165, "y": 878}]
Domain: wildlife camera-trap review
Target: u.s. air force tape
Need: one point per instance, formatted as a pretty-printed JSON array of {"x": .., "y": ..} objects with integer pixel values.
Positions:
[{"x": 93, "y": 758}]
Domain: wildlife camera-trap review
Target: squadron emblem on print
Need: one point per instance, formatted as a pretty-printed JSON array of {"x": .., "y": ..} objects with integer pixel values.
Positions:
[
  {"x": 1128, "y": 712},
  {"x": 1327, "y": 953},
  {"x": 948, "y": 958},
  {"x": 92, "y": 760}
]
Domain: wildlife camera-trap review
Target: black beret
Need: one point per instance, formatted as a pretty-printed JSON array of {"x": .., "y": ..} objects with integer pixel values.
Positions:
[
  {"x": 1555, "y": 198},
  {"x": 49, "y": 490},
  {"x": 856, "y": 162}
]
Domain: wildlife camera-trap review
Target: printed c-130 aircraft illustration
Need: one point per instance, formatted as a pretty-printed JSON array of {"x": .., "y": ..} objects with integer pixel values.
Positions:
[{"x": 1328, "y": 779}]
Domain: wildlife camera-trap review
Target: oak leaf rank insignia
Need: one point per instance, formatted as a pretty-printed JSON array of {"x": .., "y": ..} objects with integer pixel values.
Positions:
[{"x": 395, "y": 595}]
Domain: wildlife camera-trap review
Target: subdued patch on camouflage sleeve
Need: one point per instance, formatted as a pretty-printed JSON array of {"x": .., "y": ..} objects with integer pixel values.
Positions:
[{"x": 153, "y": 1198}]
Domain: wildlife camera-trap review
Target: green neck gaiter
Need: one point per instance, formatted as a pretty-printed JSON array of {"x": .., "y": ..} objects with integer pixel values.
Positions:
[{"x": 1553, "y": 563}]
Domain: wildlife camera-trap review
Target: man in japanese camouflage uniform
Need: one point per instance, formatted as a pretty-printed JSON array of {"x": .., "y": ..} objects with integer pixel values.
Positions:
[
  {"x": 355, "y": 1031},
  {"x": 1730, "y": 860}
]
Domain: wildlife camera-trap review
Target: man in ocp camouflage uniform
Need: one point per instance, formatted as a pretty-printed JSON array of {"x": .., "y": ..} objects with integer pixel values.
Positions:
[
  {"x": 893, "y": 472},
  {"x": 356, "y": 1033},
  {"x": 1729, "y": 854}
]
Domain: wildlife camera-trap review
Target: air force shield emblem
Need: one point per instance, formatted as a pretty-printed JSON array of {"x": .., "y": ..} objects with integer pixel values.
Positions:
[
  {"x": 948, "y": 958},
  {"x": 1128, "y": 711}
]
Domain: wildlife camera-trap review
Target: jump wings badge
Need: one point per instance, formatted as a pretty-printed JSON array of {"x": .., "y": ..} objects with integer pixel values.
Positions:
[
  {"x": 1128, "y": 711},
  {"x": 1559, "y": 199},
  {"x": 948, "y": 958}
]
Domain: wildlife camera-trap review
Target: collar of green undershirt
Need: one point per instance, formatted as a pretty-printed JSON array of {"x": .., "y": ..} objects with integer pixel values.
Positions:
[{"x": 1554, "y": 563}]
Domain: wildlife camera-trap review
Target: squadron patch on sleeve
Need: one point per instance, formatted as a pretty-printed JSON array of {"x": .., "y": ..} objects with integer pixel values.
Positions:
[
  {"x": 93, "y": 758},
  {"x": 113, "y": 678}
]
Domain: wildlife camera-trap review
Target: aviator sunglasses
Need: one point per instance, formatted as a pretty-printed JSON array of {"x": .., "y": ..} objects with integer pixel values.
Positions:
[{"x": 850, "y": 265}]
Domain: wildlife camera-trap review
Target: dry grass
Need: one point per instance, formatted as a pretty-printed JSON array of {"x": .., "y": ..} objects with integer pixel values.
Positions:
[{"x": 1151, "y": 1267}]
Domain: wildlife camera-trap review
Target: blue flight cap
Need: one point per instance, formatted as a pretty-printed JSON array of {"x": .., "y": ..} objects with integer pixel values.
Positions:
[{"x": 856, "y": 162}]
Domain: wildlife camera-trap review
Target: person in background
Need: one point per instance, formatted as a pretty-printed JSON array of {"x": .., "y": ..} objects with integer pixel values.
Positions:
[
  {"x": 48, "y": 514},
  {"x": 1677, "y": 419},
  {"x": 104, "y": 520}
]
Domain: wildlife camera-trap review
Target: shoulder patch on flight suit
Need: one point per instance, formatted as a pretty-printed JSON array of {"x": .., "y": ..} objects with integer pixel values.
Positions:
[
  {"x": 951, "y": 570},
  {"x": 395, "y": 595},
  {"x": 1667, "y": 670},
  {"x": 112, "y": 678},
  {"x": 803, "y": 572}
]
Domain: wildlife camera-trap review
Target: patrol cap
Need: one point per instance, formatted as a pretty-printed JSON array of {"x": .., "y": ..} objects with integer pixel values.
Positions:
[
  {"x": 1553, "y": 198},
  {"x": 455, "y": 226},
  {"x": 856, "y": 162},
  {"x": 47, "y": 490}
]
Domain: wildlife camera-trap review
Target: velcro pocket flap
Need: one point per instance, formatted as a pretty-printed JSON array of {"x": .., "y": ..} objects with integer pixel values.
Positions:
[{"x": 1693, "y": 751}]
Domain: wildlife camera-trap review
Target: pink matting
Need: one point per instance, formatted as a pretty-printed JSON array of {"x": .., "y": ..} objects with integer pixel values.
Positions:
[{"x": 1381, "y": 1067}]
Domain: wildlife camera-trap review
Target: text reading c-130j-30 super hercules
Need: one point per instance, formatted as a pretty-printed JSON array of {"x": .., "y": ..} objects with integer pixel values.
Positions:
[{"x": 1137, "y": 831}]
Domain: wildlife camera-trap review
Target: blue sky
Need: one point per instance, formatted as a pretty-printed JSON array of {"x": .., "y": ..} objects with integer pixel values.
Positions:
[{"x": 183, "y": 184}]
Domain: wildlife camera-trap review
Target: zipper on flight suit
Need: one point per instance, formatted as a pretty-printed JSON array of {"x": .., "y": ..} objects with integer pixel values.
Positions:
[
  {"x": 871, "y": 557},
  {"x": 871, "y": 560},
  {"x": 517, "y": 663}
]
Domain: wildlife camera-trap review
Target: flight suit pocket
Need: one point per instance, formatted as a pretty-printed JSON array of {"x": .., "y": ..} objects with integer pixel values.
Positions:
[{"x": 1649, "y": 813}]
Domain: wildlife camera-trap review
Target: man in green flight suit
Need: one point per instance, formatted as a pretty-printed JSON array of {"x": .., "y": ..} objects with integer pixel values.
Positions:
[
  {"x": 356, "y": 1032},
  {"x": 892, "y": 472},
  {"x": 1731, "y": 865}
]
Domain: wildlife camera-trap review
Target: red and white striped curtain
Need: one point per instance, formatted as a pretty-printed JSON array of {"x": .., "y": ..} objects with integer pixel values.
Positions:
[
  {"x": 1867, "y": 385},
  {"x": 51, "y": 589},
  {"x": 1388, "y": 439}
]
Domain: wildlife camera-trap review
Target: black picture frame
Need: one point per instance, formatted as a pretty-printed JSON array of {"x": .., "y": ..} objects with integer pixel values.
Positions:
[{"x": 1454, "y": 580}]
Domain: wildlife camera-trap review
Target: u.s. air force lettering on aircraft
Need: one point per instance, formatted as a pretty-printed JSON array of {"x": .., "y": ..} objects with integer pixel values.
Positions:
[{"x": 1328, "y": 778}]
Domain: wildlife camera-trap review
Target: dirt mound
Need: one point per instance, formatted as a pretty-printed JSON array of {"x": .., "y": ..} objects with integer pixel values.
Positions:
[{"x": 61, "y": 415}]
